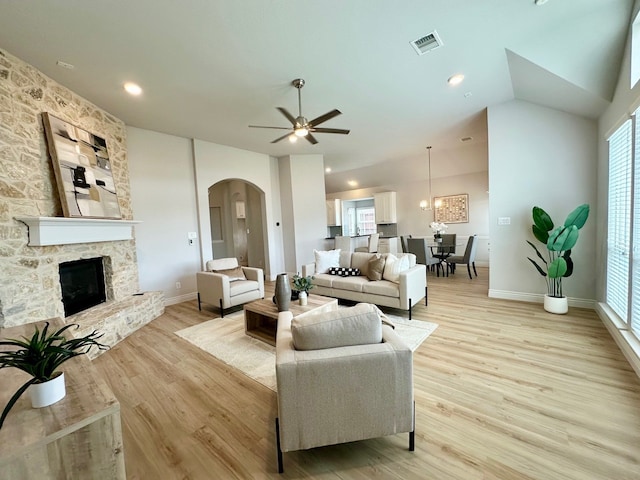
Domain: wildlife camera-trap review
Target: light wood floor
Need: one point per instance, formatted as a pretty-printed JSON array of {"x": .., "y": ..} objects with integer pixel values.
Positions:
[{"x": 503, "y": 391}]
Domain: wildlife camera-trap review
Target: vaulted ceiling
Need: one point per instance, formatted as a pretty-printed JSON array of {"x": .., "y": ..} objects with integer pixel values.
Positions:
[{"x": 210, "y": 68}]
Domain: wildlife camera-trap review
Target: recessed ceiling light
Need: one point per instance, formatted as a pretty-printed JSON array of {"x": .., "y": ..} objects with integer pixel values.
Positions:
[
  {"x": 468, "y": 94},
  {"x": 540, "y": 2},
  {"x": 133, "y": 88},
  {"x": 455, "y": 79},
  {"x": 327, "y": 170},
  {"x": 66, "y": 65},
  {"x": 352, "y": 183}
]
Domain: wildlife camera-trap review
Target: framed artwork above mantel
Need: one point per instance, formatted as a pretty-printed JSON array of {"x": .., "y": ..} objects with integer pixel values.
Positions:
[
  {"x": 82, "y": 169},
  {"x": 452, "y": 208}
]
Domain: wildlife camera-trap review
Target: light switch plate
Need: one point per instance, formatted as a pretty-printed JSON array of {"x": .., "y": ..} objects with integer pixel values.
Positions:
[{"x": 504, "y": 220}]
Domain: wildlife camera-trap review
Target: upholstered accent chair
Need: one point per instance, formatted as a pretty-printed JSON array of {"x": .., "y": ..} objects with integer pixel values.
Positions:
[
  {"x": 342, "y": 376},
  {"x": 226, "y": 284}
]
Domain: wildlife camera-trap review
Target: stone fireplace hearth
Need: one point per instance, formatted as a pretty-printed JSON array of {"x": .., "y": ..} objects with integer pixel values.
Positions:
[{"x": 29, "y": 266}]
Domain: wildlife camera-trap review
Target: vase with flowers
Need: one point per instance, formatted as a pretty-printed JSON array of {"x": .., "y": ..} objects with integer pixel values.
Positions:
[
  {"x": 438, "y": 229},
  {"x": 303, "y": 285}
]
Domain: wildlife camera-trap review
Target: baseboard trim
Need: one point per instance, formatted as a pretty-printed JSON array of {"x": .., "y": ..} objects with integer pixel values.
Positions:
[
  {"x": 180, "y": 298},
  {"x": 628, "y": 344},
  {"x": 539, "y": 298}
]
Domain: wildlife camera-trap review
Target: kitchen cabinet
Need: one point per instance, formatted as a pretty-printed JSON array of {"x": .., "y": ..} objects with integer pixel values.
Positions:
[
  {"x": 334, "y": 213},
  {"x": 389, "y": 245},
  {"x": 385, "y": 205}
]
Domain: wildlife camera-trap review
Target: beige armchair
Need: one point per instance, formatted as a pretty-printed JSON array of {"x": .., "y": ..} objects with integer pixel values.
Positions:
[
  {"x": 226, "y": 284},
  {"x": 342, "y": 376}
]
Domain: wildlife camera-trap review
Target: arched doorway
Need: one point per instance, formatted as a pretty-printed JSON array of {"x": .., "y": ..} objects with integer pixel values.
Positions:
[{"x": 236, "y": 216}]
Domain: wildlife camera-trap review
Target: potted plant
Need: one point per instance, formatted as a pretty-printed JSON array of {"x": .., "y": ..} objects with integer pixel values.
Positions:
[
  {"x": 438, "y": 228},
  {"x": 303, "y": 285},
  {"x": 40, "y": 356},
  {"x": 559, "y": 242}
]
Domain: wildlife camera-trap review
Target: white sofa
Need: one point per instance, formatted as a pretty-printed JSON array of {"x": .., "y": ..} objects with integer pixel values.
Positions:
[{"x": 409, "y": 288}]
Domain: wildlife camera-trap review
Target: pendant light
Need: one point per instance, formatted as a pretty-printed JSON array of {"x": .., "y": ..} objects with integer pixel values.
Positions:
[{"x": 424, "y": 204}]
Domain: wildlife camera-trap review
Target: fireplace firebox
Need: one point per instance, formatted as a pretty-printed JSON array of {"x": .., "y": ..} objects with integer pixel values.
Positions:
[{"x": 82, "y": 283}]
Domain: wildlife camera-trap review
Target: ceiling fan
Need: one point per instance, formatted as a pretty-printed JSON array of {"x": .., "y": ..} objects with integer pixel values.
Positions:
[{"x": 300, "y": 126}]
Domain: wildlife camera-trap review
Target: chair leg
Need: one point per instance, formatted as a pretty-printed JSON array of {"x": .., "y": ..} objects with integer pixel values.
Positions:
[
  {"x": 412, "y": 433},
  {"x": 469, "y": 270},
  {"x": 280, "y": 465},
  {"x": 426, "y": 301},
  {"x": 199, "y": 306},
  {"x": 474, "y": 268},
  {"x": 221, "y": 310}
]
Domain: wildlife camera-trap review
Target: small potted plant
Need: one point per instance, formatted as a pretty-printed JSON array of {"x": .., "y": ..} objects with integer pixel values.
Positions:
[
  {"x": 559, "y": 242},
  {"x": 438, "y": 228},
  {"x": 40, "y": 356},
  {"x": 302, "y": 285}
]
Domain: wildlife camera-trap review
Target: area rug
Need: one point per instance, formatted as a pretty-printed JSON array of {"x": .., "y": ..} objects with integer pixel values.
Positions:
[{"x": 224, "y": 338}]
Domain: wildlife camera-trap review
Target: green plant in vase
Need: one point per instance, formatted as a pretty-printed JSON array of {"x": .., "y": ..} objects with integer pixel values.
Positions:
[
  {"x": 302, "y": 285},
  {"x": 559, "y": 242},
  {"x": 41, "y": 355}
]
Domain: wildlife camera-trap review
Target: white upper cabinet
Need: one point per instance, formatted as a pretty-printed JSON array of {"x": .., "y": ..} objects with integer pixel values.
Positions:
[
  {"x": 334, "y": 213},
  {"x": 385, "y": 205}
]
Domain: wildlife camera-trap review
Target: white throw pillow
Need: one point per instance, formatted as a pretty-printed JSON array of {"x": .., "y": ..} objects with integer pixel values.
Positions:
[
  {"x": 326, "y": 259},
  {"x": 393, "y": 266}
]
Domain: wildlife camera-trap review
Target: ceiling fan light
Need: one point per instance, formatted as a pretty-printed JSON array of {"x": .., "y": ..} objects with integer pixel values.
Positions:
[
  {"x": 301, "y": 132},
  {"x": 293, "y": 138}
]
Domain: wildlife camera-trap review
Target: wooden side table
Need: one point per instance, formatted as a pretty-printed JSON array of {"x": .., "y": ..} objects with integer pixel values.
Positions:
[{"x": 79, "y": 437}]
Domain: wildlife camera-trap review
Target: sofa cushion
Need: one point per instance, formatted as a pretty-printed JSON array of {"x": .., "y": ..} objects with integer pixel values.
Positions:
[
  {"x": 234, "y": 274},
  {"x": 360, "y": 260},
  {"x": 359, "y": 325},
  {"x": 323, "y": 280},
  {"x": 375, "y": 268},
  {"x": 353, "y": 284},
  {"x": 326, "y": 260},
  {"x": 393, "y": 266},
  {"x": 384, "y": 288},
  {"x": 344, "y": 271}
]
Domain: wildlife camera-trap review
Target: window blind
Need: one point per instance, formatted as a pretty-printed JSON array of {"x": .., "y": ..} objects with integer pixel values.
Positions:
[
  {"x": 619, "y": 220},
  {"x": 635, "y": 243}
]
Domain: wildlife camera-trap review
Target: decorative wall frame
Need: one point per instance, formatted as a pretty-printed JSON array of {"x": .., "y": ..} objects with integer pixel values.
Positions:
[
  {"x": 452, "y": 208},
  {"x": 82, "y": 169}
]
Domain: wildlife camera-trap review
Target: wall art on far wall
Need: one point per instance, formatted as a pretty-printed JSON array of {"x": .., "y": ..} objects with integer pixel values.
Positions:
[
  {"x": 82, "y": 169},
  {"x": 452, "y": 208}
]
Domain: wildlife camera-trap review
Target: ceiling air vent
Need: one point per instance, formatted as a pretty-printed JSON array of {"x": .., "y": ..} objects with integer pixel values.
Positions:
[{"x": 427, "y": 43}]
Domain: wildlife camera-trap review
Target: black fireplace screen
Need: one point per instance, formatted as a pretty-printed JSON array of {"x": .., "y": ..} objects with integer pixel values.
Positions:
[{"x": 82, "y": 284}]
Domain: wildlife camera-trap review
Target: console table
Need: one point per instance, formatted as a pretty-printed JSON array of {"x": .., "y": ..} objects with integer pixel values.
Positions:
[{"x": 78, "y": 437}]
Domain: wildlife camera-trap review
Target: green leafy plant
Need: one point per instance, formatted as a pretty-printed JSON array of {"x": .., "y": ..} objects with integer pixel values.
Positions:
[
  {"x": 41, "y": 355},
  {"x": 302, "y": 284},
  {"x": 559, "y": 242}
]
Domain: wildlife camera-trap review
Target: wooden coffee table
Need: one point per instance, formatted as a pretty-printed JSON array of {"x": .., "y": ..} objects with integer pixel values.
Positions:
[{"x": 261, "y": 316}]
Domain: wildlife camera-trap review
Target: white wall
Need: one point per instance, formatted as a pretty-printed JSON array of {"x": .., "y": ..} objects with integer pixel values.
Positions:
[
  {"x": 163, "y": 198},
  {"x": 214, "y": 163},
  {"x": 544, "y": 157},
  {"x": 414, "y": 221},
  {"x": 304, "y": 208}
]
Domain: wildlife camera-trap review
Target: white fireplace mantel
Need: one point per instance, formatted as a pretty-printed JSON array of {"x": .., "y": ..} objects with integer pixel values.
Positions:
[{"x": 45, "y": 231}]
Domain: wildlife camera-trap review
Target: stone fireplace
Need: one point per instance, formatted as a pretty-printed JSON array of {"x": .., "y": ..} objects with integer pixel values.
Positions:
[{"x": 30, "y": 288}]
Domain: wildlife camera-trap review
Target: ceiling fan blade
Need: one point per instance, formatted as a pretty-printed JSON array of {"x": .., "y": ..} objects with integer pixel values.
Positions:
[
  {"x": 290, "y": 117},
  {"x": 281, "y": 138},
  {"x": 276, "y": 128},
  {"x": 311, "y": 139},
  {"x": 330, "y": 130},
  {"x": 325, "y": 117}
]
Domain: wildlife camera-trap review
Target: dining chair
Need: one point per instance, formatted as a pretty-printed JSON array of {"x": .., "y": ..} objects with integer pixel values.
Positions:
[
  {"x": 422, "y": 251},
  {"x": 373, "y": 244},
  {"x": 403, "y": 242},
  {"x": 468, "y": 259}
]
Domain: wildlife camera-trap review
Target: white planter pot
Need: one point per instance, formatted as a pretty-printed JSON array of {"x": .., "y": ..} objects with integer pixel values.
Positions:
[
  {"x": 302, "y": 297},
  {"x": 557, "y": 305},
  {"x": 47, "y": 393}
]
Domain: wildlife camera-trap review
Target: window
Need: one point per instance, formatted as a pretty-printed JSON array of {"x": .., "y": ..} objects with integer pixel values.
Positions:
[{"x": 623, "y": 230}]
